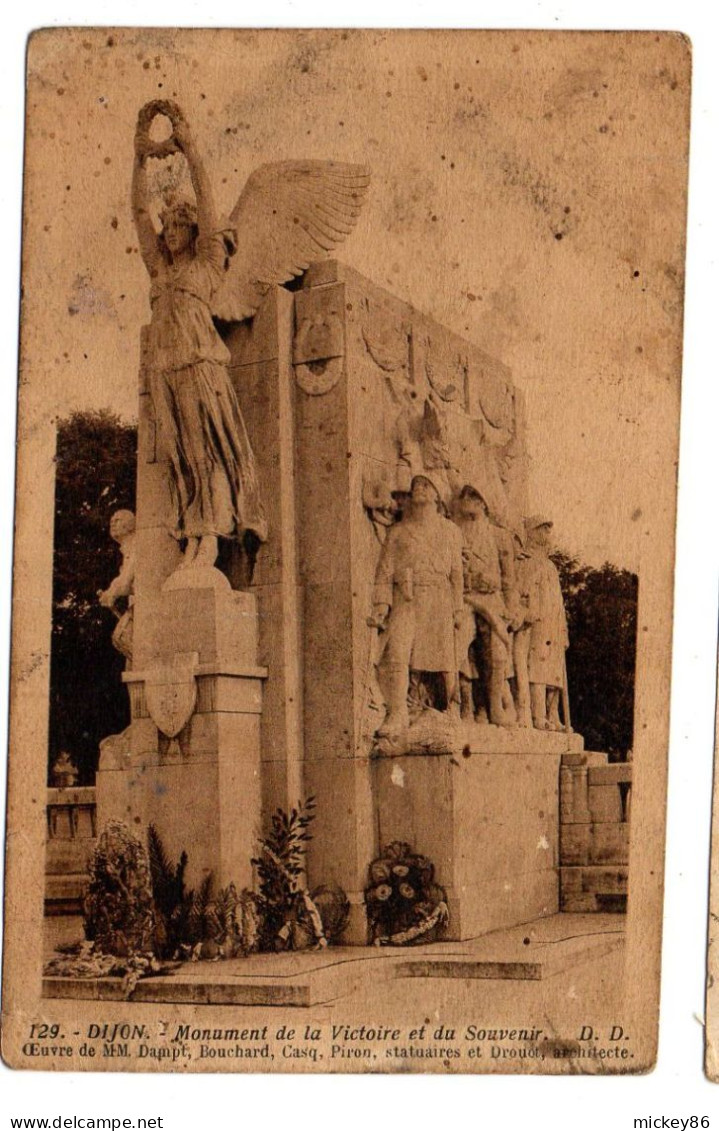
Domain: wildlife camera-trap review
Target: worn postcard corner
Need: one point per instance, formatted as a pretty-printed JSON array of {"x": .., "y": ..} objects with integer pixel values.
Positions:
[
  {"x": 348, "y": 425},
  {"x": 711, "y": 1030}
]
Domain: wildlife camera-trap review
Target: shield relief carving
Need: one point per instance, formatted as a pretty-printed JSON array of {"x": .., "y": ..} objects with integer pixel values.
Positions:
[{"x": 171, "y": 693}]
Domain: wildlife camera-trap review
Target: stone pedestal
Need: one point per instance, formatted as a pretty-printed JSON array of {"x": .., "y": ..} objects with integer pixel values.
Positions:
[
  {"x": 199, "y": 787},
  {"x": 489, "y": 821}
]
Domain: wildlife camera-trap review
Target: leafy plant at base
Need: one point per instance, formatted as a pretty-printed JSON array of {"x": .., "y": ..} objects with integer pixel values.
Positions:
[
  {"x": 280, "y": 865},
  {"x": 292, "y": 918},
  {"x": 119, "y": 910},
  {"x": 197, "y": 924},
  {"x": 172, "y": 902}
]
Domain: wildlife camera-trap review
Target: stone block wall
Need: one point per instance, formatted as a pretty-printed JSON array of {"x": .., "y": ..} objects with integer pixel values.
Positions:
[
  {"x": 594, "y": 832},
  {"x": 71, "y": 834}
]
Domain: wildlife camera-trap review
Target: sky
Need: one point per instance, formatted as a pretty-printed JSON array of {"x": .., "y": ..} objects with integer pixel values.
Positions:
[{"x": 529, "y": 194}]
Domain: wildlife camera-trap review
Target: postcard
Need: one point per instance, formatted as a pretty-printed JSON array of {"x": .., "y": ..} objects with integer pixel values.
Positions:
[{"x": 347, "y": 453}]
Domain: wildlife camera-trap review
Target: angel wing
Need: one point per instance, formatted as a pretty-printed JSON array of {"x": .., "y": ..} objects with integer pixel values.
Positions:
[{"x": 290, "y": 214}]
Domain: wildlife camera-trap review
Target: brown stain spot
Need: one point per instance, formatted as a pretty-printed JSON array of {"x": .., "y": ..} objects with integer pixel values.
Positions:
[
  {"x": 422, "y": 74},
  {"x": 61, "y": 90},
  {"x": 108, "y": 161},
  {"x": 636, "y": 514},
  {"x": 114, "y": 223}
]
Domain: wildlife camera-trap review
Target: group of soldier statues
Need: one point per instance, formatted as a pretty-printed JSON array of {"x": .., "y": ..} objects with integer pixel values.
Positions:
[
  {"x": 470, "y": 614},
  {"x": 471, "y": 611}
]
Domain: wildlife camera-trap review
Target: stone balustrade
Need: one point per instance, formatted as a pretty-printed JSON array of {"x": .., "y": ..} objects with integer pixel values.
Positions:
[
  {"x": 71, "y": 835},
  {"x": 595, "y": 804}
]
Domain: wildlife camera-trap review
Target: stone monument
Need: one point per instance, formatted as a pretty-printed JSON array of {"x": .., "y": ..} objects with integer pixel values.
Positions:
[{"x": 329, "y": 548}]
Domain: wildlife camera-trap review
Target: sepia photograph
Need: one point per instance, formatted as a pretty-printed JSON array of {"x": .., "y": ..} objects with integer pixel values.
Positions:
[{"x": 348, "y": 429}]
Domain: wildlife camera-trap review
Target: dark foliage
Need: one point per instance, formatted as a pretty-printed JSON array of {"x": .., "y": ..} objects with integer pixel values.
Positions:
[
  {"x": 95, "y": 476},
  {"x": 280, "y": 865},
  {"x": 118, "y": 908},
  {"x": 601, "y": 609},
  {"x": 199, "y": 924},
  {"x": 173, "y": 903},
  {"x": 333, "y": 907}
]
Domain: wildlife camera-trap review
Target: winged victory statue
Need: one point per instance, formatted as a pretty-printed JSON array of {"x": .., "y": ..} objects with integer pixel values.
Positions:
[{"x": 289, "y": 214}]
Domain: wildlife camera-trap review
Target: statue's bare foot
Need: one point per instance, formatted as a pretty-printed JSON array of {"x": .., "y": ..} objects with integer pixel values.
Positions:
[
  {"x": 393, "y": 727},
  {"x": 206, "y": 554}
]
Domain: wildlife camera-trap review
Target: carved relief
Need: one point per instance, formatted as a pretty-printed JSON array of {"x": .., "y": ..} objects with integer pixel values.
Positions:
[
  {"x": 122, "y": 588},
  {"x": 171, "y": 694},
  {"x": 417, "y": 604},
  {"x": 543, "y": 640},
  {"x": 319, "y": 346},
  {"x": 498, "y": 651},
  {"x": 386, "y": 345},
  {"x": 484, "y": 645}
]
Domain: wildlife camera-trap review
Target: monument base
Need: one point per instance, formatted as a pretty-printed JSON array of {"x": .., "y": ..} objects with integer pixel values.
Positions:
[
  {"x": 189, "y": 763},
  {"x": 488, "y": 819}
]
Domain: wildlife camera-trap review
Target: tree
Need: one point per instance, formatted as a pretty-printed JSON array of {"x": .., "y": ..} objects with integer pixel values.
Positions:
[
  {"x": 601, "y": 609},
  {"x": 95, "y": 476}
]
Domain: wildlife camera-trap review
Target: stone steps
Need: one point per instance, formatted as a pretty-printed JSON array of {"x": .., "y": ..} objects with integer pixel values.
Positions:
[{"x": 532, "y": 952}]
